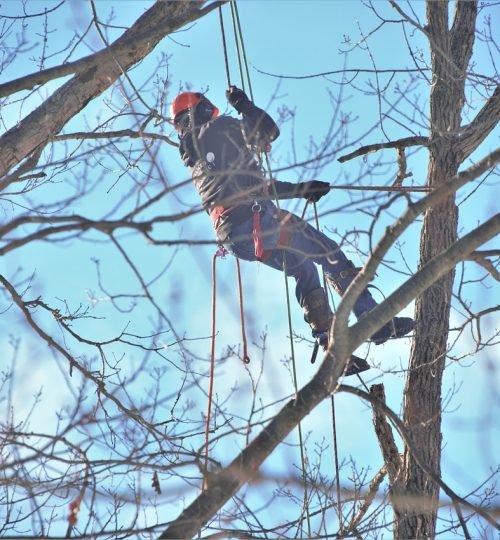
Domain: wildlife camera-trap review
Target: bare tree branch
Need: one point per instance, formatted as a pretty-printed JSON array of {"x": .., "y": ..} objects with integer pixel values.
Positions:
[
  {"x": 115, "y": 134},
  {"x": 73, "y": 363},
  {"x": 368, "y": 500},
  {"x": 138, "y": 41},
  {"x": 472, "y": 135},
  {"x": 392, "y": 458},
  {"x": 401, "y": 143},
  {"x": 362, "y": 330},
  {"x": 413, "y": 448},
  {"x": 481, "y": 258}
]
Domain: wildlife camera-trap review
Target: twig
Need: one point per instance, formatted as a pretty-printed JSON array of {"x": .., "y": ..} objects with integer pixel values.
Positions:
[{"x": 401, "y": 143}]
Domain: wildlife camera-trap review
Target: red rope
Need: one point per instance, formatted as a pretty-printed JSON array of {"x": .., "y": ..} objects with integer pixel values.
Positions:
[
  {"x": 212, "y": 363},
  {"x": 246, "y": 358},
  {"x": 256, "y": 232}
]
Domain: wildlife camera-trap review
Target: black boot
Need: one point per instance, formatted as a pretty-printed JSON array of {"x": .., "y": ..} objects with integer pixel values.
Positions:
[
  {"x": 395, "y": 328},
  {"x": 318, "y": 314},
  {"x": 356, "y": 365}
]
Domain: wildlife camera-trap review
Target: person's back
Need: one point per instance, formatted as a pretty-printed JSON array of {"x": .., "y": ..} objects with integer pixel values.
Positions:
[{"x": 226, "y": 172}]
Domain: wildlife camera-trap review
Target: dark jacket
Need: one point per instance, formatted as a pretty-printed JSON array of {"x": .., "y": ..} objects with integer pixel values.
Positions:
[{"x": 222, "y": 157}]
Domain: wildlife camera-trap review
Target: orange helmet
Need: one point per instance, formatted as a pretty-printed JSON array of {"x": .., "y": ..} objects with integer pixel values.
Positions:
[{"x": 195, "y": 103}]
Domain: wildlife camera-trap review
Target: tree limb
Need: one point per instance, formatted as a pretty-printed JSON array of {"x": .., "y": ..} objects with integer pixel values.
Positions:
[
  {"x": 462, "y": 39},
  {"x": 368, "y": 499},
  {"x": 137, "y": 42},
  {"x": 437, "y": 267},
  {"x": 130, "y": 133},
  {"x": 392, "y": 458},
  {"x": 480, "y": 257},
  {"x": 486, "y": 120},
  {"x": 401, "y": 143}
]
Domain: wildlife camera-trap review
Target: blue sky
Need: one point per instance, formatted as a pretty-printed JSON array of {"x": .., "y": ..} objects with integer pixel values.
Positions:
[{"x": 290, "y": 39}]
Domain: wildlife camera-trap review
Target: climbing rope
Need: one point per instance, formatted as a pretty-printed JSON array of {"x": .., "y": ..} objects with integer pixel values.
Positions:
[
  {"x": 212, "y": 365},
  {"x": 245, "y": 357},
  {"x": 221, "y": 252},
  {"x": 236, "y": 17},
  {"x": 237, "y": 44},
  {"x": 332, "y": 399},
  {"x": 242, "y": 62},
  {"x": 224, "y": 46},
  {"x": 402, "y": 189}
]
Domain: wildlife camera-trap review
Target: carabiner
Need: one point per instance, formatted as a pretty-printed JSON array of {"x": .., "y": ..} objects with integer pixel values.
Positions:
[{"x": 256, "y": 207}]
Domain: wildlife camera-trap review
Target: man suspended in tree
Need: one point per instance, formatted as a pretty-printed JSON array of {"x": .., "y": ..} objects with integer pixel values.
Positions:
[{"x": 222, "y": 154}]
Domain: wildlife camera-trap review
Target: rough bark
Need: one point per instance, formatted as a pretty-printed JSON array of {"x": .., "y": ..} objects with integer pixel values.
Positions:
[
  {"x": 392, "y": 458},
  {"x": 37, "y": 129},
  {"x": 450, "y": 54}
]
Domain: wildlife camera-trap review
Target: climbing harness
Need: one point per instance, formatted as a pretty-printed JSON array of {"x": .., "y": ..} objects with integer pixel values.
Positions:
[{"x": 262, "y": 254}]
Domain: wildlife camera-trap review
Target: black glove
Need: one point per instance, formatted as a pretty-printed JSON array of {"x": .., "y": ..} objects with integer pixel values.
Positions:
[
  {"x": 237, "y": 98},
  {"x": 314, "y": 190}
]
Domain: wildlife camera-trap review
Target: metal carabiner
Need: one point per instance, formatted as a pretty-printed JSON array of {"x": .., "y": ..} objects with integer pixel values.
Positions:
[{"x": 256, "y": 207}]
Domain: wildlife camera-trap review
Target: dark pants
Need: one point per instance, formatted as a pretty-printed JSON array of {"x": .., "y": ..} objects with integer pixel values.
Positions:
[{"x": 305, "y": 248}]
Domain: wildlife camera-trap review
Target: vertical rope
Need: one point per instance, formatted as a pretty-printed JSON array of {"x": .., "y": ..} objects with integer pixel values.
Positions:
[
  {"x": 224, "y": 46},
  {"x": 236, "y": 18},
  {"x": 240, "y": 33},
  {"x": 332, "y": 400},
  {"x": 212, "y": 364},
  {"x": 337, "y": 468},
  {"x": 245, "y": 357},
  {"x": 237, "y": 42}
]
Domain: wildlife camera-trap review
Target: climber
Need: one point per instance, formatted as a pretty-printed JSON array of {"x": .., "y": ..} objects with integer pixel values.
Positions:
[{"x": 222, "y": 152}]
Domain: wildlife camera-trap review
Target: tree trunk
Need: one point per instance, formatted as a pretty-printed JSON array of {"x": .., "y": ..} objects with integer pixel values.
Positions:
[{"x": 450, "y": 55}]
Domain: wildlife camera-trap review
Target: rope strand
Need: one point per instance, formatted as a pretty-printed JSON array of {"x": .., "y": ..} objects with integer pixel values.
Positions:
[
  {"x": 212, "y": 364},
  {"x": 236, "y": 18},
  {"x": 332, "y": 400},
  {"x": 245, "y": 357},
  {"x": 240, "y": 33},
  {"x": 236, "y": 41},
  {"x": 224, "y": 46},
  {"x": 337, "y": 468}
]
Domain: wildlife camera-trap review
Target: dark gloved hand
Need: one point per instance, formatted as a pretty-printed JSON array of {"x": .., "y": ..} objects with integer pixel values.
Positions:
[
  {"x": 237, "y": 98},
  {"x": 314, "y": 190}
]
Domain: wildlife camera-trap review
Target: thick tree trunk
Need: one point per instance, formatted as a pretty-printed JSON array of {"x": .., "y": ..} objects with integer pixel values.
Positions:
[{"x": 450, "y": 54}]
